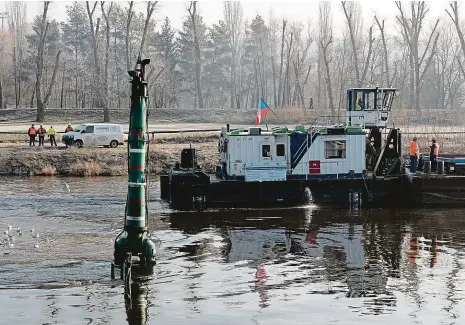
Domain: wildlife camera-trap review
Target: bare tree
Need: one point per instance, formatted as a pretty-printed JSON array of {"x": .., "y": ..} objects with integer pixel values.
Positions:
[
  {"x": 352, "y": 14},
  {"x": 325, "y": 39},
  {"x": 17, "y": 24},
  {"x": 104, "y": 91},
  {"x": 280, "y": 83},
  {"x": 385, "y": 51},
  {"x": 232, "y": 11},
  {"x": 411, "y": 32},
  {"x": 150, "y": 9},
  {"x": 128, "y": 31},
  {"x": 198, "y": 63},
  {"x": 100, "y": 89},
  {"x": 43, "y": 103},
  {"x": 454, "y": 15}
]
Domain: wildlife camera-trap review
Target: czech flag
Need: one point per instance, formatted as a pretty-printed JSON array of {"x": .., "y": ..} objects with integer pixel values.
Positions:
[{"x": 263, "y": 109}]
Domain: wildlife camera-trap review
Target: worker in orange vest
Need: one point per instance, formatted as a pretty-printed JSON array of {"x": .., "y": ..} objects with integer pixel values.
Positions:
[
  {"x": 41, "y": 132},
  {"x": 68, "y": 128},
  {"x": 32, "y": 135},
  {"x": 433, "y": 156},
  {"x": 414, "y": 155}
]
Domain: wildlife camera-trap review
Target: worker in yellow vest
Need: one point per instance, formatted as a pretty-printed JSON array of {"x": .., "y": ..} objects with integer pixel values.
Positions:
[
  {"x": 51, "y": 133},
  {"x": 414, "y": 155}
]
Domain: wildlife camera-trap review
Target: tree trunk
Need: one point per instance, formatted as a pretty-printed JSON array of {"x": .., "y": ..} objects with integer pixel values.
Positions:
[
  {"x": 2, "y": 99},
  {"x": 329, "y": 85},
  {"x": 370, "y": 52},
  {"x": 281, "y": 64},
  {"x": 15, "y": 76},
  {"x": 273, "y": 69},
  {"x": 42, "y": 105},
  {"x": 455, "y": 19},
  {"x": 62, "y": 85},
  {"x": 76, "y": 91},
  {"x": 128, "y": 28},
  {"x": 352, "y": 41},
  {"x": 40, "y": 64},
  {"x": 19, "y": 75},
  {"x": 385, "y": 51},
  {"x": 198, "y": 64},
  {"x": 104, "y": 96},
  {"x": 150, "y": 8}
]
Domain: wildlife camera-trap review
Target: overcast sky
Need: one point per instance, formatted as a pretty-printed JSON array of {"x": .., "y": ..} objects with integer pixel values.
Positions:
[{"x": 212, "y": 11}]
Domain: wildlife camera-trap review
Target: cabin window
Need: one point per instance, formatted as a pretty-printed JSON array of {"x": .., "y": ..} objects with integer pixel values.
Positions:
[
  {"x": 280, "y": 150},
  {"x": 266, "y": 151},
  {"x": 335, "y": 149}
]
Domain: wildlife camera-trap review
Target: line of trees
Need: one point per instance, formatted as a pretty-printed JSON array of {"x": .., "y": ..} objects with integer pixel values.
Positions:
[{"x": 82, "y": 62}]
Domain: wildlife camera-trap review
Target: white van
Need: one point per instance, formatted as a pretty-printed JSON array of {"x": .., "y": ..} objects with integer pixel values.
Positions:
[{"x": 95, "y": 134}]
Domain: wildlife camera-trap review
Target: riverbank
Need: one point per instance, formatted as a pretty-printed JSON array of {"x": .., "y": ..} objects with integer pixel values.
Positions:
[
  {"x": 20, "y": 159},
  {"x": 17, "y": 158}
]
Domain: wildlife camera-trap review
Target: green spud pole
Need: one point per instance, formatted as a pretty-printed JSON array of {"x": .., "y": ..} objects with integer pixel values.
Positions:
[{"x": 135, "y": 228}]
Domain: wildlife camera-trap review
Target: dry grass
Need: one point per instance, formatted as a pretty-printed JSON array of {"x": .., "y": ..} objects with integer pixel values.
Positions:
[
  {"x": 448, "y": 143},
  {"x": 47, "y": 171},
  {"x": 186, "y": 137},
  {"x": 85, "y": 169},
  {"x": 20, "y": 159}
]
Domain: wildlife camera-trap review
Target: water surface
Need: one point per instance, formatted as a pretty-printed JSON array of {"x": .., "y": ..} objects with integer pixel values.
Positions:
[{"x": 278, "y": 266}]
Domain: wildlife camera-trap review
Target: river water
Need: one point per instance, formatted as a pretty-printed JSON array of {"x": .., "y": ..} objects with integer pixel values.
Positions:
[{"x": 305, "y": 265}]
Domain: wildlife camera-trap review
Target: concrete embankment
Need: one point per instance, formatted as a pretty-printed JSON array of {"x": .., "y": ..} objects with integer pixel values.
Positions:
[{"x": 20, "y": 159}]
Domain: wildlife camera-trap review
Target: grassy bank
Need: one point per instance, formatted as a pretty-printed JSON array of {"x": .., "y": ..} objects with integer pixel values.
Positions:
[
  {"x": 17, "y": 158},
  {"x": 20, "y": 159}
]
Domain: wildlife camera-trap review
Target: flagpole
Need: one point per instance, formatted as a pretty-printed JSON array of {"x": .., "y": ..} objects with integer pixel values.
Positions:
[
  {"x": 278, "y": 118},
  {"x": 261, "y": 98}
]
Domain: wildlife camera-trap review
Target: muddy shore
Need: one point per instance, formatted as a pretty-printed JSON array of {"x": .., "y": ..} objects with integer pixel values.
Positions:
[{"x": 17, "y": 158}]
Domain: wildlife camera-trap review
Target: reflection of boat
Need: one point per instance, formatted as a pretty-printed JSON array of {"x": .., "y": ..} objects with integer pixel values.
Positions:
[{"x": 340, "y": 246}]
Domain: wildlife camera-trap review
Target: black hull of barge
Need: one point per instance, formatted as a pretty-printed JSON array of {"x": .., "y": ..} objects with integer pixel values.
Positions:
[
  {"x": 188, "y": 191},
  {"x": 437, "y": 190}
]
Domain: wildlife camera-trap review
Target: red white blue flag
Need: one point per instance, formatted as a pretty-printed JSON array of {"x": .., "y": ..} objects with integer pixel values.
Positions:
[{"x": 263, "y": 109}]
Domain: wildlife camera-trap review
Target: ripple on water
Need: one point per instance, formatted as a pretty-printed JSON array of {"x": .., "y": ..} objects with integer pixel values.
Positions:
[{"x": 227, "y": 266}]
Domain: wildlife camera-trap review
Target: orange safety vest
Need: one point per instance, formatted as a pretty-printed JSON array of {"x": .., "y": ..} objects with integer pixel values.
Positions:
[
  {"x": 41, "y": 131},
  {"x": 436, "y": 149},
  {"x": 31, "y": 131},
  {"x": 414, "y": 150}
]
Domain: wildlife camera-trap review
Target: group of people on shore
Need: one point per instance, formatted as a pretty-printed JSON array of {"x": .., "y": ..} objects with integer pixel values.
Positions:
[
  {"x": 41, "y": 133},
  {"x": 415, "y": 155}
]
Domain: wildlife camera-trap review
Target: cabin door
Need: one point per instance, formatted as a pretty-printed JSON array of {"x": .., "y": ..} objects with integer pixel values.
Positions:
[{"x": 281, "y": 149}]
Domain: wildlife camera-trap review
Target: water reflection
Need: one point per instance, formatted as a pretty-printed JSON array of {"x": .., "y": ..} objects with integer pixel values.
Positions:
[
  {"x": 330, "y": 251},
  {"x": 137, "y": 301},
  {"x": 228, "y": 266}
]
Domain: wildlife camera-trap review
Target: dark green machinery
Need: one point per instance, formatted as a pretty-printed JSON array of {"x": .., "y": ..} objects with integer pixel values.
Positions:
[{"x": 133, "y": 240}]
